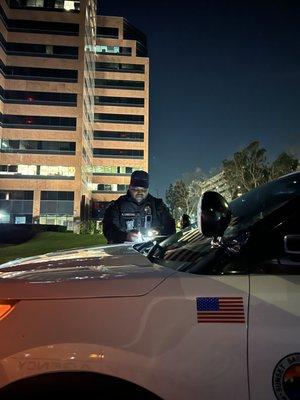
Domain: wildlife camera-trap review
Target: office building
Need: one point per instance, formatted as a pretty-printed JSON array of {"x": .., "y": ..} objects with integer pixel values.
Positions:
[
  {"x": 121, "y": 109},
  {"x": 74, "y": 92},
  {"x": 46, "y": 105},
  {"x": 218, "y": 184}
]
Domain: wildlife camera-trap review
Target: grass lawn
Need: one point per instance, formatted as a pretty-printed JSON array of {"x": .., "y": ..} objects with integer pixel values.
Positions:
[{"x": 46, "y": 242}]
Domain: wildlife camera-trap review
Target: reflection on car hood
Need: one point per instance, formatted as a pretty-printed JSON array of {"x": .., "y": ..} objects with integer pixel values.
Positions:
[{"x": 104, "y": 271}]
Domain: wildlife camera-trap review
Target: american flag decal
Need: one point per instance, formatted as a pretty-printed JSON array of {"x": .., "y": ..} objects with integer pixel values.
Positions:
[{"x": 220, "y": 310}]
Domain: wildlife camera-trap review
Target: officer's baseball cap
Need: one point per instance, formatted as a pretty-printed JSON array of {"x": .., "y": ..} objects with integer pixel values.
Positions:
[{"x": 139, "y": 179}]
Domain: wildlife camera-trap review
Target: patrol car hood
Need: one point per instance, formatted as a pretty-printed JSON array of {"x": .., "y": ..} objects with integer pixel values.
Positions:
[{"x": 106, "y": 271}]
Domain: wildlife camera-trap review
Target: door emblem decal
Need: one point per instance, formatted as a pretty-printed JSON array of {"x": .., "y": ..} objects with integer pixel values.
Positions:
[{"x": 286, "y": 378}]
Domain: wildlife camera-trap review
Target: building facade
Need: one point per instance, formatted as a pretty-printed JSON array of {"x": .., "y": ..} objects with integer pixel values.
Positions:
[
  {"x": 64, "y": 130},
  {"x": 47, "y": 94},
  {"x": 218, "y": 184},
  {"x": 121, "y": 109}
]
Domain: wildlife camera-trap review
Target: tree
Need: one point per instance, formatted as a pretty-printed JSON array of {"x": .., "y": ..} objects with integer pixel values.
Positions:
[
  {"x": 194, "y": 193},
  {"x": 284, "y": 164},
  {"x": 249, "y": 169},
  {"x": 183, "y": 198},
  {"x": 170, "y": 198},
  {"x": 177, "y": 198}
]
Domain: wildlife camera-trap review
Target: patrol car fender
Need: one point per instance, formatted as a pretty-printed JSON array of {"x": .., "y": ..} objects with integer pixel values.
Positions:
[{"x": 76, "y": 357}]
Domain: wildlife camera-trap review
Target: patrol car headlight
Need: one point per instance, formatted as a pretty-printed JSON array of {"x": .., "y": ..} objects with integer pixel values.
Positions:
[{"x": 6, "y": 307}]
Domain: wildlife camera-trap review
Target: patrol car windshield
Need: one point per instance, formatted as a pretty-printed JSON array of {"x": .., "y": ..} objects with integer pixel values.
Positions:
[
  {"x": 256, "y": 204},
  {"x": 189, "y": 250}
]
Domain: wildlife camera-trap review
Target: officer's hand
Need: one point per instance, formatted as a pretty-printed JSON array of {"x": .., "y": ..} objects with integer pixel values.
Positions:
[{"x": 132, "y": 236}]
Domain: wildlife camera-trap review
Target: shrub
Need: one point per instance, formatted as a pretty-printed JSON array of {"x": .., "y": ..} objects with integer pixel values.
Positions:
[{"x": 90, "y": 227}]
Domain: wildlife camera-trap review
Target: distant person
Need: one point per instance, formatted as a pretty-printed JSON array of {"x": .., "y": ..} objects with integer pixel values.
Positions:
[
  {"x": 136, "y": 212},
  {"x": 185, "y": 221}
]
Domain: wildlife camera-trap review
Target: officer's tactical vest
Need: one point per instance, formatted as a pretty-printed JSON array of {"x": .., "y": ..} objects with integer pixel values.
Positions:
[{"x": 141, "y": 217}]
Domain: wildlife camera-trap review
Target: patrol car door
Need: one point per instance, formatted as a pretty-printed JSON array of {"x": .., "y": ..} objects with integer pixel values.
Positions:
[
  {"x": 214, "y": 349},
  {"x": 274, "y": 316}
]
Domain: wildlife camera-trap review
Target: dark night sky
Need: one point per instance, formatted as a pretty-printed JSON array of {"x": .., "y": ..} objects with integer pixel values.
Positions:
[{"x": 222, "y": 74}]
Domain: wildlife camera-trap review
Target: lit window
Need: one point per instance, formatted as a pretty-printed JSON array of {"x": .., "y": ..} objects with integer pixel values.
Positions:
[
  {"x": 108, "y": 49},
  {"x": 68, "y": 5},
  {"x": 27, "y": 169},
  {"x": 49, "y": 49}
]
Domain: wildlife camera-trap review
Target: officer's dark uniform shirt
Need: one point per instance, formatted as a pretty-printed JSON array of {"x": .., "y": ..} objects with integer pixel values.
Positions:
[{"x": 126, "y": 214}]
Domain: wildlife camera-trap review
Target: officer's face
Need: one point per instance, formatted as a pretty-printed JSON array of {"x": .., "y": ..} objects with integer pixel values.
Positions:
[{"x": 138, "y": 193}]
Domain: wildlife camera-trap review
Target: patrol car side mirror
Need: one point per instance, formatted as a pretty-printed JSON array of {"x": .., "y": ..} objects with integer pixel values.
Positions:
[
  {"x": 292, "y": 244},
  {"x": 214, "y": 214}
]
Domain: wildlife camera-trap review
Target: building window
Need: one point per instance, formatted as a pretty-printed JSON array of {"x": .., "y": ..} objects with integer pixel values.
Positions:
[
  {"x": 118, "y": 153},
  {"x": 141, "y": 51},
  {"x": 120, "y": 101},
  {"x": 30, "y": 122},
  {"x": 57, "y": 203},
  {"x": 40, "y": 74},
  {"x": 122, "y": 188},
  {"x": 113, "y": 170},
  {"x": 28, "y": 97},
  {"x": 119, "y": 118},
  {"x": 12, "y": 170},
  {"x": 48, "y": 5},
  {"x": 104, "y": 187},
  {"x": 132, "y": 33},
  {"x": 120, "y": 67},
  {"x": 110, "y": 187},
  {"x": 107, "y": 32},
  {"x": 37, "y": 146},
  {"x": 119, "y": 84},
  {"x": 113, "y": 50},
  {"x": 51, "y": 219},
  {"x": 124, "y": 136},
  {"x": 42, "y": 50},
  {"x": 37, "y": 171},
  {"x": 38, "y": 50},
  {"x": 53, "y": 195},
  {"x": 16, "y": 206},
  {"x": 16, "y": 195},
  {"x": 30, "y": 26}
]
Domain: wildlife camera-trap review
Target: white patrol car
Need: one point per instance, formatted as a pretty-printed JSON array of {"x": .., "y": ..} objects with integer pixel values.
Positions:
[{"x": 208, "y": 315}]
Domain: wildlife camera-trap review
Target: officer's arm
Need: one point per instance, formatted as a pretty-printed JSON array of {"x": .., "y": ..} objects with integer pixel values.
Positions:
[
  {"x": 167, "y": 222},
  {"x": 111, "y": 225}
]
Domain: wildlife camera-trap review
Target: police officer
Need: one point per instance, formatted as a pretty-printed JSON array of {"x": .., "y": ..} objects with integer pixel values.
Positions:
[
  {"x": 136, "y": 212},
  {"x": 185, "y": 221}
]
